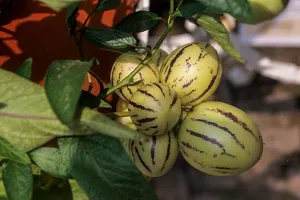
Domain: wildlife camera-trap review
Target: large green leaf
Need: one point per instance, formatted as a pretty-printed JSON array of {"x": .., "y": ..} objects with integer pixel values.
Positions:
[
  {"x": 219, "y": 33},
  {"x": 71, "y": 21},
  {"x": 58, "y": 5},
  {"x": 25, "y": 69},
  {"x": 9, "y": 152},
  {"x": 110, "y": 39},
  {"x": 63, "y": 86},
  {"x": 239, "y": 9},
  {"x": 104, "y": 170},
  {"x": 49, "y": 159},
  {"x": 77, "y": 192},
  {"x": 104, "y": 5},
  {"x": 28, "y": 121},
  {"x": 18, "y": 180},
  {"x": 138, "y": 22}
]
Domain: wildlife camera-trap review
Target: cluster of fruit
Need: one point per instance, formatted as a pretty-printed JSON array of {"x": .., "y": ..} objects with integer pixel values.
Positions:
[{"x": 173, "y": 90}]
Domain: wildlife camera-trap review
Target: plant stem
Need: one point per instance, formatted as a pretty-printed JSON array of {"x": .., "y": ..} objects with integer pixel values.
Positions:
[
  {"x": 79, "y": 45},
  {"x": 126, "y": 80}
]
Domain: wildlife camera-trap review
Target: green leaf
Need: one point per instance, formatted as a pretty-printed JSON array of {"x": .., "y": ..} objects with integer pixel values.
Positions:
[
  {"x": 49, "y": 160},
  {"x": 71, "y": 21},
  {"x": 28, "y": 121},
  {"x": 104, "y": 104},
  {"x": 3, "y": 195},
  {"x": 87, "y": 99},
  {"x": 138, "y": 22},
  {"x": 58, "y": 5},
  {"x": 77, "y": 191},
  {"x": 104, "y": 5},
  {"x": 25, "y": 69},
  {"x": 219, "y": 33},
  {"x": 239, "y": 9},
  {"x": 110, "y": 39},
  {"x": 10, "y": 152},
  {"x": 64, "y": 80},
  {"x": 18, "y": 180},
  {"x": 104, "y": 170}
]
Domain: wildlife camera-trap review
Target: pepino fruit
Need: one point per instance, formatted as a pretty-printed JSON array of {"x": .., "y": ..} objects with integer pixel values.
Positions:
[
  {"x": 193, "y": 71},
  {"x": 154, "y": 109},
  {"x": 264, "y": 10},
  {"x": 157, "y": 156},
  {"x": 122, "y": 106},
  {"x": 124, "y": 65},
  {"x": 219, "y": 139},
  {"x": 159, "y": 57}
]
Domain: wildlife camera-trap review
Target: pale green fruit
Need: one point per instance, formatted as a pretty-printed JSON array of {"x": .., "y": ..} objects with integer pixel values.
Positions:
[
  {"x": 193, "y": 71},
  {"x": 122, "y": 106},
  {"x": 264, "y": 10},
  {"x": 220, "y": 139},
  {"x": 154, "y": 109},
  {"x": 157, "y": 156},
  {"x": 159, "y": 57},
  {"x": 124, "y": 65}
]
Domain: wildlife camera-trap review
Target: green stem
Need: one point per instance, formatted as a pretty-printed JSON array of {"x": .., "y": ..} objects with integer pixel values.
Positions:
[{"x": 126, "y": 80}]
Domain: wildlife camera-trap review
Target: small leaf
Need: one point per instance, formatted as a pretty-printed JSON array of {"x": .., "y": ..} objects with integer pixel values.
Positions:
[
  {"x": 28, "y": 121},
  {"x": 219, "y": 33},
  {"x": 104, "y": 170},
  {"x": 104, "y": 5},
  {"x": 77, "y": 191},
  {"x": 239, "y": 9},
  {"x": 189, "y": 9},
  {"x": 49, "y": 160},
  {"x": 58, "y": 5},
  {"x": 72, "y": 11},
  {"x": 18, "y": 180},
  {"x": 10, "y": 152},
  {"x": 104, "y": 104},
  {"x": 25, "y": 69},
  {"x": 138, "y": 22},
  {"x": 63, "y": 86},
  {"x": 110, "y": 39}
]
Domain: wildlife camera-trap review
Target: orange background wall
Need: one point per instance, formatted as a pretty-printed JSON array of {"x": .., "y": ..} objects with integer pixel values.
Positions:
[{"x": 31, "y": 29}]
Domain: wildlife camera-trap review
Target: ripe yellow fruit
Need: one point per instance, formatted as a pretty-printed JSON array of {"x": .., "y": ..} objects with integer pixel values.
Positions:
[
  {"x": 264, "y": 10},
  {"x": 193, "y": 71},
  {"x": 220, "y": 139},
  {"x": 122, "y": 106},
  {"x": 157, "y": 156},
  {"x": 154, "y": 109},
  {"x": 159, "y": 57},
  {"x": 124, "y": 65}
]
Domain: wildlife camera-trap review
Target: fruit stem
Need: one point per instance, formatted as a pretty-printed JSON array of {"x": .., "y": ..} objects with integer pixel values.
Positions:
[{"x": 170, "y": 23}]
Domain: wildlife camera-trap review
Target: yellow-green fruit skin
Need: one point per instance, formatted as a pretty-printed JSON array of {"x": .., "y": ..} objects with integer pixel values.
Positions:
[
  {"x": 219, "y": 139},
  {"x": 122, "y": 106},
  {"x": 159, "y": 57},
  {"x": 193, "y": 71},
  {"x": 157, "y": 156},
  {"x": 264, "y": 10},
  {"x": 154, "y": 109},
  {"x": 124, "y": 65}
]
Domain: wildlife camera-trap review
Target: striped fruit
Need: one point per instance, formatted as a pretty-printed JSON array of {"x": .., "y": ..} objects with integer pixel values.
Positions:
[
  {"x": 124, "y": 65},
  {"x": 193, "y": 71},
  {"x": 159, "y": 57},
  {"x": 157, "y": 156},
  {"x": 154, "y": 109},
  {"x": 122, "y": 106},
  {"x": 219, "y": 139}
]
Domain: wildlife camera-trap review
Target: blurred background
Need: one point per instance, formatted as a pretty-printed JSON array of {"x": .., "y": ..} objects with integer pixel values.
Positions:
[{"x": 267, "y": 88}]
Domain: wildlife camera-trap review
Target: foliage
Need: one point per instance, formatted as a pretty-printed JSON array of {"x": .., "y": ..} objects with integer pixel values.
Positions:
[{"x": 90, "y": 161}]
